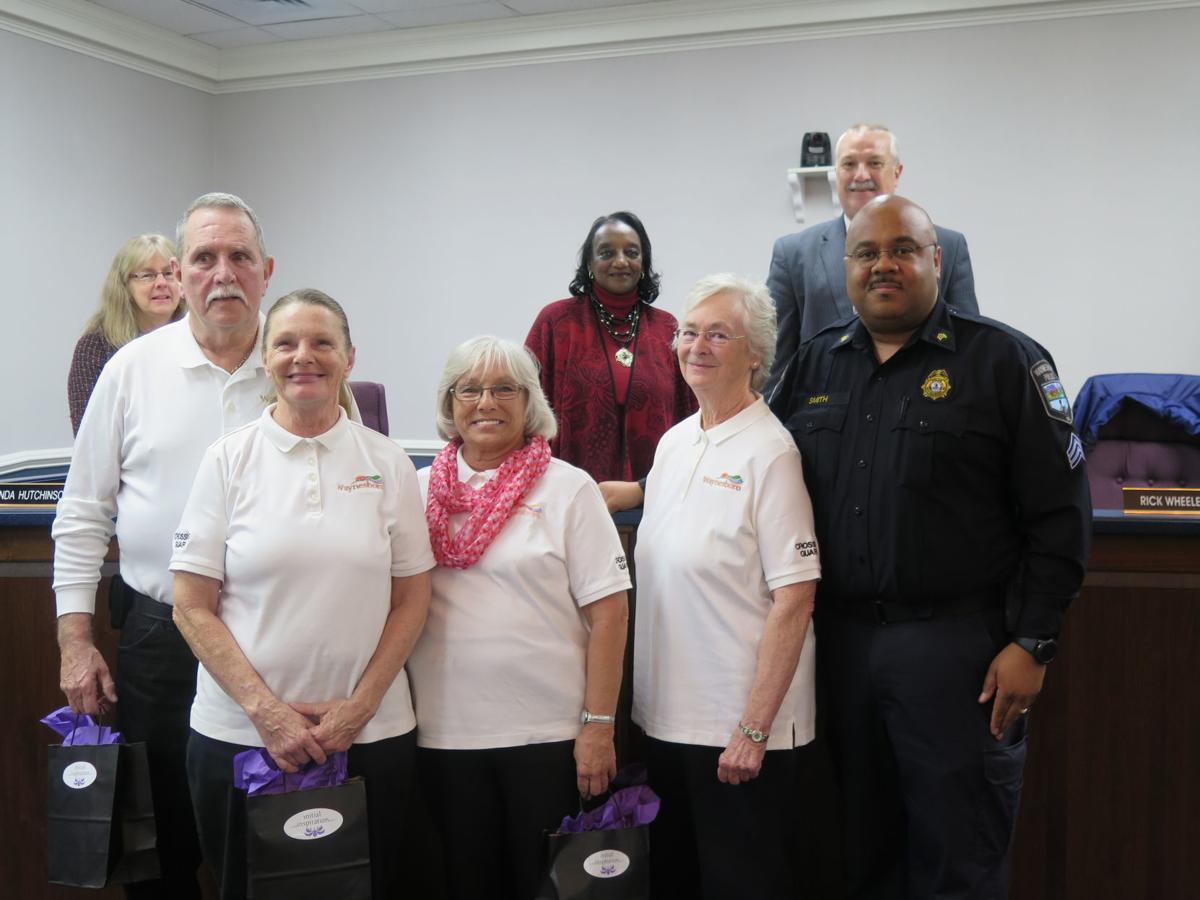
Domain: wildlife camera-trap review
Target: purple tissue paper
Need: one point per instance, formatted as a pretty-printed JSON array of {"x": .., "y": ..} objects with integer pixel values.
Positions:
[
  {"x": 79, "y": 728},
  {"x": 626, "y": 808},
  {"x": 256, "y": 773}
]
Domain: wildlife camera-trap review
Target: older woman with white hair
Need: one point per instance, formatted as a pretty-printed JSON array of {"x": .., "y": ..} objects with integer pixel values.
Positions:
[
  {"x": 727, "y": 566},
  {"x": 516, "y": 675}
]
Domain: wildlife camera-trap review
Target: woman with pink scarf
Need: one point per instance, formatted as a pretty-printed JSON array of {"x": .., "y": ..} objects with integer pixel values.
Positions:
[{"x": 516, "y": 676}]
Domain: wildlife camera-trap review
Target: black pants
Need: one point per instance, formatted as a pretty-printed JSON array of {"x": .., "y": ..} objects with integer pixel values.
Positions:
[
  {"x": 721, "y": 841},
  {"x": 387, "y": 768},
  {"x": 929, "y": 796},
  {"x": 156, "y": 681},
  {"x": 492, "y": 808}
]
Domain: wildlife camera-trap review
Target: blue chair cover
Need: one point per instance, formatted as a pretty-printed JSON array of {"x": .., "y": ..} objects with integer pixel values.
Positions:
[{"x": 1175, "y": 398}]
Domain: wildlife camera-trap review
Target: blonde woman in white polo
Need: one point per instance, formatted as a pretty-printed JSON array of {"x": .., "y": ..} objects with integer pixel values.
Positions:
[
  {"x": 723, "y": 654},
  {"x": 301, "y": 583},
  {"x": 516, "y": 675}
]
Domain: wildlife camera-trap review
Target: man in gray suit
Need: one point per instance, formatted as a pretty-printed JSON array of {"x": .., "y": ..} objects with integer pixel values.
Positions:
[{"x": 808, "y": 276}]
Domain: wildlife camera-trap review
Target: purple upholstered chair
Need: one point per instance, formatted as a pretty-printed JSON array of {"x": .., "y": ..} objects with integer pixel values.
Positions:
[
  {"x": 372, "y": 403},
  {"x": 1139, "y": 431}
]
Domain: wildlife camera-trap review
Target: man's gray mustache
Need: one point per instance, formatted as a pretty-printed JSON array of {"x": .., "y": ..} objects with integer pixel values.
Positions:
[
  {"x": 864, "y": 185},
  {"x": 223, "y": 293}
]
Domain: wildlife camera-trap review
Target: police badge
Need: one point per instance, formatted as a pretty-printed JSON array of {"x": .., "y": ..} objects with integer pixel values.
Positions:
[{"x": 937, "y": 385}]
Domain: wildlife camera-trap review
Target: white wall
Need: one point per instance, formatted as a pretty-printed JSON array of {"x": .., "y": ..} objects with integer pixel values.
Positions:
[
  {"x": 90, "y": 155},
  {"x": 440, "y": 207}
]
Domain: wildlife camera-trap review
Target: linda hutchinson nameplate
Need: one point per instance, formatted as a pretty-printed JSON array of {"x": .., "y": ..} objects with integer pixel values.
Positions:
[{"x": 30, "y": 494}]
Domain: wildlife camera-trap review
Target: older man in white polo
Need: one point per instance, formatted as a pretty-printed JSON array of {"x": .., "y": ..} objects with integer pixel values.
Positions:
[{"x": 159, "y": 403}]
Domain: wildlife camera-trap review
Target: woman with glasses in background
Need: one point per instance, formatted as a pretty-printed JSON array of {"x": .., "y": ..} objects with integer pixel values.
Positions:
[
  {"x": 515, "y": 678},
  {"x": 723, "y": 654},
  {"x": 139, "y": 294},
  {"x": 607, "y": 368}
]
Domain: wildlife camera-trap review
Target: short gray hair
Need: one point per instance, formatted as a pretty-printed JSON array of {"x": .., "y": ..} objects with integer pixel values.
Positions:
[
  {"x": 488, "y": 352},
  {"x": 218, "y": 200},
  {"x": 863, "y": 128},
  {"x": 758, "y": 315}
]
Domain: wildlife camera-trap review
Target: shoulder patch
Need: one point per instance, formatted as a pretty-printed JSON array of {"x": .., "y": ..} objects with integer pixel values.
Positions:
[{"x": 1051, "y": 390}]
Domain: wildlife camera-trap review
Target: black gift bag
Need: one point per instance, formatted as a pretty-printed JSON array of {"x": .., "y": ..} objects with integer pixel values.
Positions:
[
  {"x": 608, "y": 864},
  {"x": 309, "y": 845},
  {"x": 100, "y": 815}
]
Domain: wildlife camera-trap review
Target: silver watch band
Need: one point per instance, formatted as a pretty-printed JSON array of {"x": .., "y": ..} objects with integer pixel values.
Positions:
[{"x": 585, "y": 717}]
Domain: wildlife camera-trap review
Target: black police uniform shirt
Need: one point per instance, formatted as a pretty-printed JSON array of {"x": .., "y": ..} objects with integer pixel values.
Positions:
[{"x": 951, "y": 469}]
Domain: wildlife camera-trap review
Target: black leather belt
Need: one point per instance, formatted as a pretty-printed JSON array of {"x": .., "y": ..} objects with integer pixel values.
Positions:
[
  {"x": 148, "y": 606},
  {"x": 875, "y": 611}
]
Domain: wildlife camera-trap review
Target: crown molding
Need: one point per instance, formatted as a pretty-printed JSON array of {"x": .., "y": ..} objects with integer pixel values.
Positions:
[
  {"x": 101, "y": 33},
  {"x": 660, "y": 27}
]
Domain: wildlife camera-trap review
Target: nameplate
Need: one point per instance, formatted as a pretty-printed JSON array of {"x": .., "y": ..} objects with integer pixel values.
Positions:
[
  {"x": 1149, "y": 501},
  {"x": 30, "y": 494}
]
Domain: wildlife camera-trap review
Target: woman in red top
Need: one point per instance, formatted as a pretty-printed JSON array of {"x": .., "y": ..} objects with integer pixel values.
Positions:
[{"x": 608, "y": 369}]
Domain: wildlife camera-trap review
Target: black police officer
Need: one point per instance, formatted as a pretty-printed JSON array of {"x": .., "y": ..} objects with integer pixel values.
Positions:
[{"x": 948, "y": 486}]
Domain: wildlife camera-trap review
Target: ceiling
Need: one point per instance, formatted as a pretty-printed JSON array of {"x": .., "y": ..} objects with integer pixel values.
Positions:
[
  {"x": 243, "y": 23},
  {"x": 227, "y": 46}
]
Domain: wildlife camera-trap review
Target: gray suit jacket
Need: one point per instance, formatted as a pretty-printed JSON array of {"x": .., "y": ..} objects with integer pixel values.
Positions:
[{"x": 808, "y": 283}]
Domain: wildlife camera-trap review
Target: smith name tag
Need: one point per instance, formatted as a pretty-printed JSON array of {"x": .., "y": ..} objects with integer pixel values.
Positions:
[
  {"x": 30, "y": 494},
  {"x": 1148, "y": 501}
]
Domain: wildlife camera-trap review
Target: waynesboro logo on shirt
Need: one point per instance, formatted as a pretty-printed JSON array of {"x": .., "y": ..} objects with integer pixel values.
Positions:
[
  {"x": 363, "y": 482},
  {"x": 727, "y": 481}
]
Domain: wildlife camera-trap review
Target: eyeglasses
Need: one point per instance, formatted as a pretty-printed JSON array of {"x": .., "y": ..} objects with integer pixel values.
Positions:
[
  {"x": 473, "y": 393},
  {"x": 903, "y": 253},
  {"x": 150, "y": 277},
  {"x": 715, "y": 338}
]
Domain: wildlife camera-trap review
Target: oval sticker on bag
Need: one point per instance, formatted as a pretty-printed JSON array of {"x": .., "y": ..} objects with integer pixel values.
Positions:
[
  {"x": 311, "y": 824},
  {"x": 79, "y": 775},
  {"x": 606, "y": 864}
]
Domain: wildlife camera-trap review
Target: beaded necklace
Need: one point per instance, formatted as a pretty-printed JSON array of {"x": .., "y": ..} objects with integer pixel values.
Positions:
[{"x": 622, "y": 329}]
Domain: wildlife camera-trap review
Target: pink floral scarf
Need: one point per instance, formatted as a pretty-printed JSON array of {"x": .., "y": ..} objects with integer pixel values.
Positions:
[{"x": 490, "y": 506}]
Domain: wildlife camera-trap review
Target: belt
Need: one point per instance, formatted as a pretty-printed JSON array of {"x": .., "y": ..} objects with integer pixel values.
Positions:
[
  {"x": 875, "y": 611},
  {"x": 148, "y": 606}
]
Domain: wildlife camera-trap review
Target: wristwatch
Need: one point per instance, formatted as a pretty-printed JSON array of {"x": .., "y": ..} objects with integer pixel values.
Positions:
[
  {"x": 585, "y": 717},
  {"x": 756, "y": 736},
  {"x": 1043, "y": 651}
]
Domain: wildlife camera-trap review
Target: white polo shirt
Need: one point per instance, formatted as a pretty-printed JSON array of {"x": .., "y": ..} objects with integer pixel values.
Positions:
[
  {"x": 158, "y": 403},
  {"x": 306, "y": 535},
  {"x": 502, "y": 660},
  {"x": 727, "y": 520}
]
